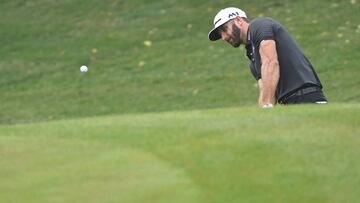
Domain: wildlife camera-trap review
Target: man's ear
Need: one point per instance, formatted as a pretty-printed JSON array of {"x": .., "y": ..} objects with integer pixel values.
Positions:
[{"x": 238, "y": 20}]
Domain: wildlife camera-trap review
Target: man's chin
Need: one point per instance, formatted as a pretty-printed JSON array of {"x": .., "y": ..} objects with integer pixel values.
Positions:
[{"x": 236, "y": 45}]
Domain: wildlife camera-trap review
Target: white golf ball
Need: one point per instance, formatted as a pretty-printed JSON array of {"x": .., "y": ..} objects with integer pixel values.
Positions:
[{"x": 83, "y": 69}]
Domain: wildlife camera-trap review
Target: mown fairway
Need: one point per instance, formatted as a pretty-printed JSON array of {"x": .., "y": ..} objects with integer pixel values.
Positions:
[
  {"x": 294, "y": 154},
  {"x": 164, "y": 115}
]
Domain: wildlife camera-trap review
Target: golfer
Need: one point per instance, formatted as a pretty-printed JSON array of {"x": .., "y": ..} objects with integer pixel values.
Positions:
[{"x": 284, "y": 74}]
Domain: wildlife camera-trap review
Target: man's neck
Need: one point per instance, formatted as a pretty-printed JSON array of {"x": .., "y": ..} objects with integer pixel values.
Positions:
[{"x": 247, "y": 34}]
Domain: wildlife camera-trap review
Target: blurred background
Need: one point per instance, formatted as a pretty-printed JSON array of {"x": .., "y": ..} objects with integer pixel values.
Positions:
[{"x": 149, "y": 56}]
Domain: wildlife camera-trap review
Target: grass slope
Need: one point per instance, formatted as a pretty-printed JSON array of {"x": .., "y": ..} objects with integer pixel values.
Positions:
[
  {"x": 43, "y": 44},
  {"x": 287, "y": 154}
]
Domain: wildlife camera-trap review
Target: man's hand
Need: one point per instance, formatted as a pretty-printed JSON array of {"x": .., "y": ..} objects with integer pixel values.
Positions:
[{"x": 270, "y": 72}]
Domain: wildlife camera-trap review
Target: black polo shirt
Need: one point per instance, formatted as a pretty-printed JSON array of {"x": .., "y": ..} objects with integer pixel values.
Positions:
[{"x": 296, "y": 70}]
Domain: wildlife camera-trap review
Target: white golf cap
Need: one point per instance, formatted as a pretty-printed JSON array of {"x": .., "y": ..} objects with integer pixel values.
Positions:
[{"x": 221, "y": 18}]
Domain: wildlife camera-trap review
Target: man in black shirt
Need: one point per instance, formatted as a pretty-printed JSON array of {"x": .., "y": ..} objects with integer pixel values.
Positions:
[{"x": 283, "y": 72}]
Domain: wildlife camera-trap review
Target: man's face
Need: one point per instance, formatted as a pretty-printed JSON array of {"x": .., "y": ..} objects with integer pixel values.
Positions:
[{"x": 230, "y": 33}]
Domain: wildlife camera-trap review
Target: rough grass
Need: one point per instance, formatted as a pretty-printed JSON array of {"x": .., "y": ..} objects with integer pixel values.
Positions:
[{"x": 43, "y": 45}]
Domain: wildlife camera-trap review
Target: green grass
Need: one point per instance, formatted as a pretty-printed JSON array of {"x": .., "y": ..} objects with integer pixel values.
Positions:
[
  {"x": 43, "y": 44},
  {"x": 287, "y": 154},
  {"x": 183, "y": 127}
]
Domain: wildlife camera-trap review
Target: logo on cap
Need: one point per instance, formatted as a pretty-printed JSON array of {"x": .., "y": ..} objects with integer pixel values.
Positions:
[
  {"x": 233, "y": 14},
  {"x": 217, "y": 21}
]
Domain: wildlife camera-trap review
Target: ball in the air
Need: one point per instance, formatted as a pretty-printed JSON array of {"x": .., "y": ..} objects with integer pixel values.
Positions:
[{"x": 83, "y": 69}]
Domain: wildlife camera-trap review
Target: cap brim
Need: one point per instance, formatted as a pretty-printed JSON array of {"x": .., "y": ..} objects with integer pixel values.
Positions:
[{"x": 214, "y": 34}]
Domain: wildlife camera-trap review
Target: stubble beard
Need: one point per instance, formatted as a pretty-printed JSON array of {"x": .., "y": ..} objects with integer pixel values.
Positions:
[{"x": 236, "y": 36}]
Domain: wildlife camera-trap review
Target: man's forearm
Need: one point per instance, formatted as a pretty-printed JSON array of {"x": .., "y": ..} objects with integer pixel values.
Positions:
[
  {"x": 260, "y": 84},
  {"x": 270, "y": 72},
  {"x": 270, "y": 78}
]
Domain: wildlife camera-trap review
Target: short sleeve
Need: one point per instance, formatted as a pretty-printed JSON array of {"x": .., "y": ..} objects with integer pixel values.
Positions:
[{"x": 262, "y": 30}]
